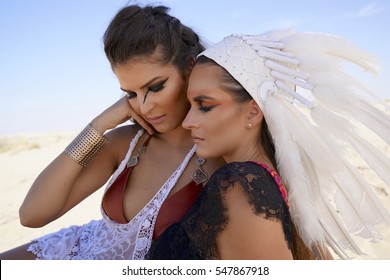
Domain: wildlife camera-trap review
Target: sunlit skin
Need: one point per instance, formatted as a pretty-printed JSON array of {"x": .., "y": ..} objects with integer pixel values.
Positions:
[
  {"x": 219, "y": 124},
  {"x": 219, "y": 127},
  {"x": 158, "y": 94}
]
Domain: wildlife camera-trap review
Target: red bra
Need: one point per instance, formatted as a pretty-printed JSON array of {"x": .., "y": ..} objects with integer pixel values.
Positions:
[{"x": 172, "y": 210}]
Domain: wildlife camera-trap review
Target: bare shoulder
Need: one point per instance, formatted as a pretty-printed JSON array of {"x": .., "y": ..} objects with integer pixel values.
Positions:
[
  {"x": 124, "y": 132},
  {"x": 120, "y": 138},
  {"x": 240, "y": 238}
]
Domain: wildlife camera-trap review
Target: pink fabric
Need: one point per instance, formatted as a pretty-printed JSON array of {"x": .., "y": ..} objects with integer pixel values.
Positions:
[{"x": 278, "y": 181}]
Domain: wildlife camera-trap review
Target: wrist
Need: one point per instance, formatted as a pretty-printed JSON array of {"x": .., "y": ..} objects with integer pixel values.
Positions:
[
  {"x": 99, "y": 126},
  {"x": 86, "y": 146}
]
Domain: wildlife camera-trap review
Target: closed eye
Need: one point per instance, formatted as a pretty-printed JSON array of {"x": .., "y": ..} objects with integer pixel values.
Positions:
[
  {"x": 206, "y": 103},
  {"x": 205, "y": 109},
  {"x": 131, "y": 95},
  {"x": 157, "y": 87}
]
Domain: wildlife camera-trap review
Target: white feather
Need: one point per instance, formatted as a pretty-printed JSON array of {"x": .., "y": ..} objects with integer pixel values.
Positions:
[
  {"x": 331, "y": 202},
  {"x": 373, "y": 119},
  {"x": 334, "y": 229},
  {"x": 374, "y": 158},
  {"x": 322, "y": 43},
  {"x": 300, "y": 192}
]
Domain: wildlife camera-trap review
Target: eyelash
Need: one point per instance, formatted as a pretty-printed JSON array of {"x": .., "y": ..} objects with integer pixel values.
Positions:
[
  {"x": 131, "y": 95},
  {"x": 206, "y": 109},
  {"x": 156, "y": 88}
]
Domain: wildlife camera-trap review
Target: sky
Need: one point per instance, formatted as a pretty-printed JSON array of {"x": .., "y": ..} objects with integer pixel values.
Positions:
[{"x": 54, "y": 76}]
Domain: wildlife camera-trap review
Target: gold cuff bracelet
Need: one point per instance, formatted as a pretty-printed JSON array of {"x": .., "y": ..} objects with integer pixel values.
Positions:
[{"x": 86, "y": 146}]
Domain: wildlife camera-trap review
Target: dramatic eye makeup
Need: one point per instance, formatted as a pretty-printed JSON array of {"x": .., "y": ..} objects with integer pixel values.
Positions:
[
  {"x": 130, "y": 94},
  {"x": 205, "y": 103},
  {"x": 155, "y": 88},
  {"x": 158, "y": 86},
  {"x": 149, "y": 88}
]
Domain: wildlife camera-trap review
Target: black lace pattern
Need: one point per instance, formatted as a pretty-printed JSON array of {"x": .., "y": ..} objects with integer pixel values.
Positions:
[{"x": 194, "y": 236}]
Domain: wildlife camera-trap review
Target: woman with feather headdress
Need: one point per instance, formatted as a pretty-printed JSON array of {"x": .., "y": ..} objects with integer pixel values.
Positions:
[{"x": 284, "y": 115}]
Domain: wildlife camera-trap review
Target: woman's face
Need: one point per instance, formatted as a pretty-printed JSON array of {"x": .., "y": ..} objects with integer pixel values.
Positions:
[
  {"x": 217, "y": 122},
  {"x": 156, "y": 92}
]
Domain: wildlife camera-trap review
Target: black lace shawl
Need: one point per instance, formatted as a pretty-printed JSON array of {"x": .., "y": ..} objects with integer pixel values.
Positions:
[{"x": 194, "y": 236}]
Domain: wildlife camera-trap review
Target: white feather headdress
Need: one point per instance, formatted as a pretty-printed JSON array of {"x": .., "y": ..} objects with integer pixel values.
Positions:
[{"x": 314, "y": 112}]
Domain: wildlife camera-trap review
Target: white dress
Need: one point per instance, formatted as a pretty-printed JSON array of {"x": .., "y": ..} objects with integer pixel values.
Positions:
[{"x": 106, "y": 239}]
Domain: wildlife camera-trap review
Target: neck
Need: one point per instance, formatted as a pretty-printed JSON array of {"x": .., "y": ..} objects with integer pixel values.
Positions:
[
  {"x": 179, "y": 138},
  {"x": 248, "y": 152}
]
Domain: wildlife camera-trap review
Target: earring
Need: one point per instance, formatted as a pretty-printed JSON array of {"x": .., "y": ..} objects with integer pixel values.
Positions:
[
  {"x": 199, "y": 176},
  {"x": 249, "y": 125}
]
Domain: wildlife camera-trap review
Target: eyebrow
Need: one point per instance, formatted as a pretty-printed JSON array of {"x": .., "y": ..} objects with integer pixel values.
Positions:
[
  {"x": 203, "y": 97},
  {"x": 145, "y": 85}
]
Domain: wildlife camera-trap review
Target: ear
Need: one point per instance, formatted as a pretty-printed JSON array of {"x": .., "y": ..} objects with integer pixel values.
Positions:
[{"x": 255, "y": 115}]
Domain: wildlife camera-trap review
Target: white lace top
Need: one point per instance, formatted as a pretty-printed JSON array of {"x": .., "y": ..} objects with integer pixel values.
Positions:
[{"x": 106, "y": 239}]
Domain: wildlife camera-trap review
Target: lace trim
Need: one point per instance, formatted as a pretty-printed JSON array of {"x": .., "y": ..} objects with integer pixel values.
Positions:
[
  {"x": 122, "y": 165},
  {"x": 146, "y": 218},
  {"x": 105, "y": 239},
  {"x": 145, "y": 234}
]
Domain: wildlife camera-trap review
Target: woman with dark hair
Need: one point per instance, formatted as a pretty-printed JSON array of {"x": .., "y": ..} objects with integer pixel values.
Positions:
[
  {"x": 280, "y": 103},
  {"x": 154, "y": 176}
]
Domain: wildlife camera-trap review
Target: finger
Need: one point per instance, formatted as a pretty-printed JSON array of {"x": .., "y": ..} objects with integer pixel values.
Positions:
[
  {"x": 143, "y": 123},
  {"x": 134, "y": 117}
]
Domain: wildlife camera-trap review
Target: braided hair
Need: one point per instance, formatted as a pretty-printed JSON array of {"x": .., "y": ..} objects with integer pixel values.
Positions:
[{"x": 137, "y": 31}]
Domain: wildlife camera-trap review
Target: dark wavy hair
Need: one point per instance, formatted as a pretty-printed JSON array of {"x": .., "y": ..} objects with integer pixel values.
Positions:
[{"x": 137, "y": 31}]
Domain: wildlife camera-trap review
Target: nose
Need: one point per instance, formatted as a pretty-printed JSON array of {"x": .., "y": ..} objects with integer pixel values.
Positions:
[
  {"x": 190, "y": 121},
  {"x": 145, "y": 105}
]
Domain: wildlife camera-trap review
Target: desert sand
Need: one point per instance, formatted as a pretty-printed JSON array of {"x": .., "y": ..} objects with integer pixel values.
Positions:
[{"x": 23, "y": 157}]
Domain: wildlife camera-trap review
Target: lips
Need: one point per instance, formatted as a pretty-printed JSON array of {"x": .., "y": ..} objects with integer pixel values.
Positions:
[
  {"x": 197, "y": 139},
  {"x": 156, "y": 120}
]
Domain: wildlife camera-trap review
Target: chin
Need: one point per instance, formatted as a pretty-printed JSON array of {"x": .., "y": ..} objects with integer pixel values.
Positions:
[
  {"x": 167, "y": 128},
  {"x": 161, "y": 129},
  {"x": 204, "y": 154}
]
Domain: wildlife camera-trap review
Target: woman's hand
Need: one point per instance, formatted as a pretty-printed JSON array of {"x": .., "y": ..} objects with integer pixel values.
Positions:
[
  {"x": 117, "y": 114},
  {"x": 137, "y": 118}
]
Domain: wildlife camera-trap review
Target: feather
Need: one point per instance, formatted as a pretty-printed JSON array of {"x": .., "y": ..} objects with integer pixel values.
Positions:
[
  {"x": 337, "y": 236},
  {"x": 374, "y": 158},
  {"x": 373, "y": 119},
  {"x": 333, "y": 227},
  {"x": 316, "y": 115},
  {"x": 286, "y": 70},
  {"x": 293, "y": 94},
  {"x": 347, "y": 132},
  {"x": 299, "y": 189},
  {"x": 322, "y": 43},
  {"x": 307, "y": 137}
]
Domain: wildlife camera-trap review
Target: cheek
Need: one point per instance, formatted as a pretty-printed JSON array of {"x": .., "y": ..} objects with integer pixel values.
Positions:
[
  {"x": 181, "y": 92},
  {"x": 221, "y": 121},
  {"x": 135, "y": 105},
  {"x": 178, "y": 100},
  {"x": 219, "y": 128}
]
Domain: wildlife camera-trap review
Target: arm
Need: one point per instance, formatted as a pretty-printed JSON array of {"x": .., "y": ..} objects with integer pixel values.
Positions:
[
  {"x": 248, "y": 235},
  {"x": 64, "y": 183}
]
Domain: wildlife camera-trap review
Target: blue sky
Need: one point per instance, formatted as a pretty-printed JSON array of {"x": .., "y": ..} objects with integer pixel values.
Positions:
[{"x": 54, "y": 75}]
